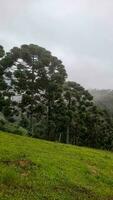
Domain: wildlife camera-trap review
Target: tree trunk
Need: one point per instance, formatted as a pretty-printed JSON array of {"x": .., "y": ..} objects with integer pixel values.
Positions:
[
  {"x": 60, "y": 137},
  {"x": 32, "y": 99},
  {"x": 67, "y": 136},
  {"x": 48, "y": 118}
]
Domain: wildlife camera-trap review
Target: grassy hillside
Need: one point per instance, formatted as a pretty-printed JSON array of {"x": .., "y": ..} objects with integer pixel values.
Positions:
[{"x": 33, "y": 169}]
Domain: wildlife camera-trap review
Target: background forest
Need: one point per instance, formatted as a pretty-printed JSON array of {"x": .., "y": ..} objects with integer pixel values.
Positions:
[{"x": 37, "y": 100}]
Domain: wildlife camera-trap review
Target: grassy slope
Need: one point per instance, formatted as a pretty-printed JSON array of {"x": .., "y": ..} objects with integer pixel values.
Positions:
[{"x": 53, "y": 171}]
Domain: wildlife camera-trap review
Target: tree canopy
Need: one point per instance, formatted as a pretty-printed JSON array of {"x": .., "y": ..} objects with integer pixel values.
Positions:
[{"x": 35, "y": 95}]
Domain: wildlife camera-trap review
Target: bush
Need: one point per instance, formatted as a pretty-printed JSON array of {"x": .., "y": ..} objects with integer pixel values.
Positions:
[
  {"x": 11, "y": 127},
  {"x": 15, "y": 128}
]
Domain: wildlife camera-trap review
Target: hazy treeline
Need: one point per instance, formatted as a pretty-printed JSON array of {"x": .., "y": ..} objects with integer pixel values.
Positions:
[{"x": 104, "y": 99}]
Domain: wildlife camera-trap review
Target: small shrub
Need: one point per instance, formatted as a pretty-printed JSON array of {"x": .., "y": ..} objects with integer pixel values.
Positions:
[{"x": 12, "y": 128}]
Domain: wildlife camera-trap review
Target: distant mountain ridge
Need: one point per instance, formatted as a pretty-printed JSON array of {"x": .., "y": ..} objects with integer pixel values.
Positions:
[{"x": 103, "y": 98}]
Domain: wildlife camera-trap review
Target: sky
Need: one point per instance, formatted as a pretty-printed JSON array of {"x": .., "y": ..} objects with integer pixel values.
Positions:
[{"x": 79, "y": 32}]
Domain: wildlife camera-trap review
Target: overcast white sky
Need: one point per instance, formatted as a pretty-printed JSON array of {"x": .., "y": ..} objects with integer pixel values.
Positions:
[{"x": 80, "y": 32}]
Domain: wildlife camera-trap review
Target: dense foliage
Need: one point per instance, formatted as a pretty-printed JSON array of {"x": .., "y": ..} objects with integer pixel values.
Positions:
[{"x": 34, "y": 94}]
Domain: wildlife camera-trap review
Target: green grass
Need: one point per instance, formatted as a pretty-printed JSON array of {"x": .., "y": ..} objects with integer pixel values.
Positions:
[{"x": 32, "y": 169}]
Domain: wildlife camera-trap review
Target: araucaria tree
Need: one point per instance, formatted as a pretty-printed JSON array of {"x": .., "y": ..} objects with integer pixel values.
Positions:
[{"x": 33, "y": 85}]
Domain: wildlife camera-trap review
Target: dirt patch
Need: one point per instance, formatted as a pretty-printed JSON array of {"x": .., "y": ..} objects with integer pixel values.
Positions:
[
  {"x": 25, "y": 174},
  {"x": 76, "y": 191},
  {"x": 93, "y": 170},
  {"x": 26, "y": 167},
  {"x": 22, "y": 163},
  {"x": 109, "y": 198}
]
